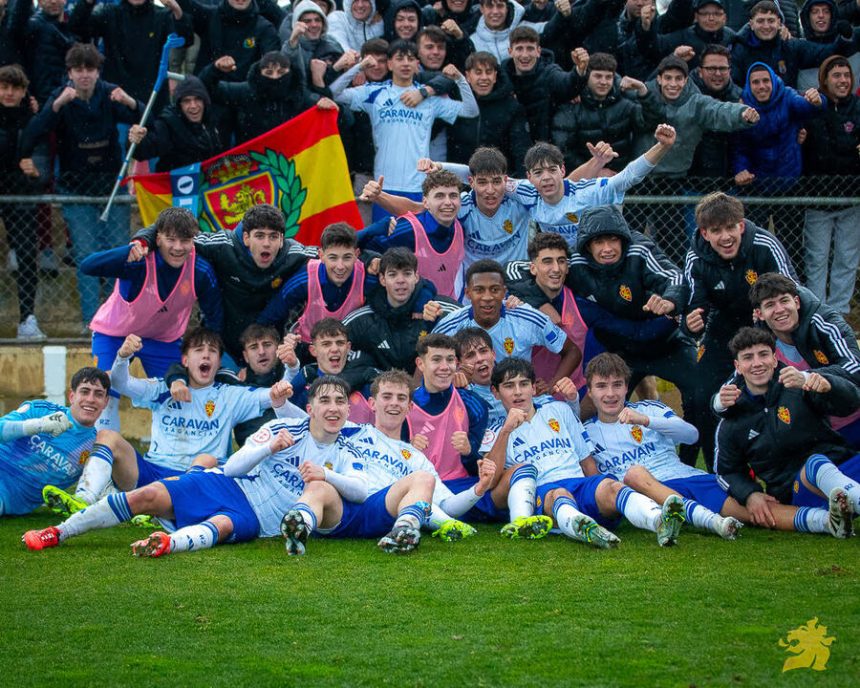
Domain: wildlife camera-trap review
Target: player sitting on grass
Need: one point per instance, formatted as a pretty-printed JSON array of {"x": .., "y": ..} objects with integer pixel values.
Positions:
[
  {"x": 549, "y": 437},
  {"x": 244, "y": 501},
  {"x": 180, "y": 431},
  {"x": 42, "y": 442},
  {"x": 636, "y": 441},
  {"x": 776, "y": 425},
  {"x": 405, "y": 490}
]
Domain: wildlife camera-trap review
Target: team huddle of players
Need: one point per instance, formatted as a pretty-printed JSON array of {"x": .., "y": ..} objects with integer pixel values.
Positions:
[{"x": 431, "y": 377}]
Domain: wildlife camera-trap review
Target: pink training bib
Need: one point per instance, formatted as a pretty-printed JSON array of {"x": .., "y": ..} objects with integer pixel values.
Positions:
[
  {"x": 359, "y": 409},
  {"x": 438, "y": 429},
  {"x": 545, "y": 362},
  {"x": 443, "y": 269},
  {"x": 315, "y": 310},
  {"x": 148, "y": 316}
]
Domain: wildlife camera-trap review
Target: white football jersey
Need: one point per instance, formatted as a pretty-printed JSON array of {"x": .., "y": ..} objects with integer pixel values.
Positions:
[
  {"x": 387, "y": 460},
  {"x": 554, "y": 441},
  {"x": 618, "y": 446},
  {"x": 518, "y": 331},
  {"x": 503, "y": 237},
  {"x": 180, "y": 431},
  {"x": 563, "y": 217},
  {"x": 274, "y": 485}
]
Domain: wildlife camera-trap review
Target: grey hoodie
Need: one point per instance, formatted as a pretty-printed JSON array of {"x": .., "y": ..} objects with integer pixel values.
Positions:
[{"x": 351, "y": 33}]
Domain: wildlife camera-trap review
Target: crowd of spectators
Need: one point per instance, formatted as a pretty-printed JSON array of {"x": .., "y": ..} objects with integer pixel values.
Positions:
[{"x": 761, "y": 95}]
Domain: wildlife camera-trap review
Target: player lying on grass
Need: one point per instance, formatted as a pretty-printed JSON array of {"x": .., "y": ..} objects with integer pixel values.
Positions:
[
  {"x": 244, "y": 501},
  {"x": 776, "y": 425},
  {"x": 636, "y": 443},
  {"x": 550, "y": 438},
  {"x": 42, "y": 442},
  {"x": 405, "y": 490},
  {"x": 180, "y": 431}
]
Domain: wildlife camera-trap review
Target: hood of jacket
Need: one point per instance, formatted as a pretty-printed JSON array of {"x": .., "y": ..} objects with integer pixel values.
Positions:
[
  {"x": 775, "y": 96},
  {"x": 304, "y": 6},
  {"x": 822, "y": 78},
  {"x": 391, "y": 13},
  {"x": 808, "y": 32},
  {"x": 515, "y": 16},
  {"x": 192, "y": 86},
  {"x": 354, "y": 23},
  {"x": 602, "y": 220}
]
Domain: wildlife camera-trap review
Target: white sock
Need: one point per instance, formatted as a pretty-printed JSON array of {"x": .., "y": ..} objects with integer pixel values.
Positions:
[
  {"x": 564, "y": 512},
  {"x": 823, "y": 473},
  {"x": 641, "y": 511},
  {"x": 701, "y": 517},
  {"x": 200, "y": 536},
  {"x": 521, "y": 495},
  {"x": 96, "y": 475},
  {"x": 308, "y": 514},
  {"x": 811, "y": 520},
  {"x": 109, "y": 420},
  {"x": 107, "y": 512}
]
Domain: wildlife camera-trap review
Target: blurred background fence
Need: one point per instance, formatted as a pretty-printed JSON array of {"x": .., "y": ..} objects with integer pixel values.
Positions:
[{"x": 35, "y": 232}]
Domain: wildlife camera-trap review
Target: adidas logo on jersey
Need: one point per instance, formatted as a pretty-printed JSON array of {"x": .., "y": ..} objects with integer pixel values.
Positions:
[
  {"x": 384, "y": 345},
  {"x": 163, "y": 309},
  {"x": 720, "y": 285},
  {"x": 174, "y": 406},
  {"x": 518, "y": 442},
  {"x": 442, "y": 268},
  {"x": 753, "y": 434},
  {"x": 366, "y": 440},
  {"x": 598, "y": 448}
]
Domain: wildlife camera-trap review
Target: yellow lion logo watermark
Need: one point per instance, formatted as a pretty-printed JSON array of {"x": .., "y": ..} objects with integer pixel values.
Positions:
[{"x": 810, "y": 646}]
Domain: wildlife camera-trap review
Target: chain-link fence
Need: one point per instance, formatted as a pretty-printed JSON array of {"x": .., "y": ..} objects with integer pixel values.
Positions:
[{"x": 45, "y": 236}]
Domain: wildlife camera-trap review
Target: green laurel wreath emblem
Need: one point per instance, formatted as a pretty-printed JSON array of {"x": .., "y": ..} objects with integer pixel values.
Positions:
[{"x": 293, "y": 194}]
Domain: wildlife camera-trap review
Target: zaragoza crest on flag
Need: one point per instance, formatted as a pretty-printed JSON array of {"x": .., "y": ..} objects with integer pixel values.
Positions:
[{"x": 299, "y": 167}]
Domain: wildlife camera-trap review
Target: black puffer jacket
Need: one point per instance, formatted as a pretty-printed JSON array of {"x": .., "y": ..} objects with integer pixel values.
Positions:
[
  {"x": 13, "y": 29},
  {"x": 655, "y": 46},
  {"x": 47, "y": 42},
  {"x": 176, "y": 141},
  {"x": 541, "y": 90},
  {"x": 774, "y": 434},
  {"x": 786, "y": 58},
  {"x": 501, "y": 123},
  {"x": 615, "y": 119},
  {"x": 259, "y": 104},
  {"x": 133, "y": 38},
  {"x": 713, "y": 154},
  {"x": 624, "y": 287},
  {"x": 245, "y": 35},
  {"x": 12, "y": 123},
  {"x": 467, "y": 20}
]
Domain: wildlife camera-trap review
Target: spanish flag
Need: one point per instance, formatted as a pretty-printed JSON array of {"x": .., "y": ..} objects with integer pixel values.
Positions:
[{"x": 299, "y": 167}]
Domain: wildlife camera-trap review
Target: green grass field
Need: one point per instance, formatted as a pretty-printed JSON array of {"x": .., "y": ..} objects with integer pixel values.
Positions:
[{"x": 484, "y": 612}]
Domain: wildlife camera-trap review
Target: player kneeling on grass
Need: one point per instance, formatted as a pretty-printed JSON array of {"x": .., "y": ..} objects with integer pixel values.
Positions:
[
  {"x": 405, "y": 490},
  {"x": 776, "y": 425},
  {"x": 42, "y": 442},
  {"x": 551, "y": 439},
  {"x": 244, "y": 501},
  {"x": 181, "y": 432}
]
